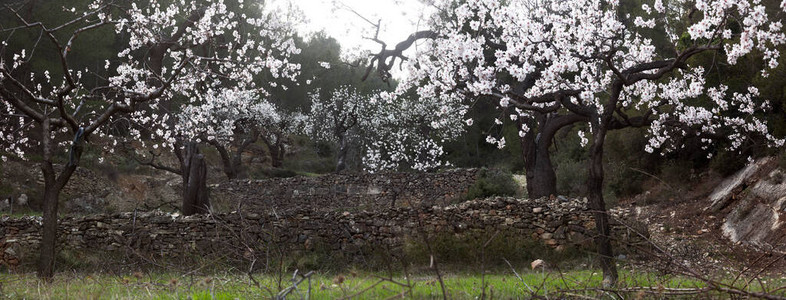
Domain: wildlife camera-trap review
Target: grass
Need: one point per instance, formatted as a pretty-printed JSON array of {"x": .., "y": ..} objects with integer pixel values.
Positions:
[{"x": 502, "y": 285}]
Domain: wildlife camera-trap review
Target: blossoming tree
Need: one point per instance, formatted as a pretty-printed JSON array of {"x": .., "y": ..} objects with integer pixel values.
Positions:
[
  {"x": 537, "y": 128},
  {"x": 225, "y": 96},
  {"x": 404, "y": 132},
  {"x": 233, "y": 120},
  {"x": 394, "y": 132},
  {"x": 172, "y": 51},
  {"x": 230, "y": 121},
  {"x": 278, "y": 135},
  {"x": 587, "y": 61},
  {"x": 336, "y": 118}
]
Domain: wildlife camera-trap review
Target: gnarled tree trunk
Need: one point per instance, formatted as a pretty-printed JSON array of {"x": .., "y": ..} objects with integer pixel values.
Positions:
[
  {"x": 598, "y": 207},
  {"x": 600, "y": 126},
  {"x": 276, "y": 148},
  {"x": 535, "y": 144},
  {"x": 230, "y": 165},
  {"x": 541, "y": 178},
  {"x": 233, "y": 164},
  {"x": 194, "y": 173}
]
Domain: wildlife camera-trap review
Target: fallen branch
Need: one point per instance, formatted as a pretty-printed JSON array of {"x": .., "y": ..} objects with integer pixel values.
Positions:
[{"x": 283, "y": 294}]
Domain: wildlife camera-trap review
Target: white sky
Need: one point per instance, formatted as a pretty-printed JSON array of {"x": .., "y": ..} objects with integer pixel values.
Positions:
[{"x": 400, "y": 18}]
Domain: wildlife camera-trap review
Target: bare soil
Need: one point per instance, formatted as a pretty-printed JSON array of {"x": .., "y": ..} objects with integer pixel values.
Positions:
[{"x": 681, "y": 226}]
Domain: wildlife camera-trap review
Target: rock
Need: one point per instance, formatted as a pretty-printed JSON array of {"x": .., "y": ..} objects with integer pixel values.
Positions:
[
  {"x": 537, "y": 263},
  {"x": 161, "y": 234},
  {"x": 560, "y": 232},
  {"x": 723, "y": 195},
  {"x": 752, "y": 220},
  {"x": 537, "y": 210},
  {"x": 22, "y": 200}
]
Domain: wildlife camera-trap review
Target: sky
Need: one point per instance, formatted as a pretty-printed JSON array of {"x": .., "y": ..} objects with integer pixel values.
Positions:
[{"x": 399, "y": 19}]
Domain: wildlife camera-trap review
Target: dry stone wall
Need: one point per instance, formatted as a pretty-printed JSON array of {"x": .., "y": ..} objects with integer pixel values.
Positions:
[
  {"x": 345, "y": 192},
  {"x": 244, "y": 236}
]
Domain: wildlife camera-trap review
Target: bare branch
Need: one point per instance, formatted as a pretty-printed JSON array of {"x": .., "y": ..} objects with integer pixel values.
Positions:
[{"x": 386, "y": 58}]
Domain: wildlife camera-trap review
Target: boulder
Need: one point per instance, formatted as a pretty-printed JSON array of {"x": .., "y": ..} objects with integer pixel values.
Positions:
[
  {"x": 757, "y": 217},
  {"x": 726, "y": 192},
  {"x": 22, "y": 200}
]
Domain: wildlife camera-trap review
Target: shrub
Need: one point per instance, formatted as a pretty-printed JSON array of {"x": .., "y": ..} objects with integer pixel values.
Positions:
[
  {"x": 677, "y": 175},
  {"x": 260, "y": 173},
  {"x": 493, "y": 182},
  {"x": 324, "y": 149},
  {"x": 467, "y": 248},
  {"x": 572, "y": 177},
  {"x": 623, "y": 180},
  {"x": 727, "y": 163}
]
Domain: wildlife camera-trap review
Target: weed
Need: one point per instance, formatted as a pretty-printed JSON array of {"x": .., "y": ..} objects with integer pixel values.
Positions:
[
  {"x": 461, "y": 285},
  {"x": 466, "y": 248},
  {"x": 493, "y": 182}
]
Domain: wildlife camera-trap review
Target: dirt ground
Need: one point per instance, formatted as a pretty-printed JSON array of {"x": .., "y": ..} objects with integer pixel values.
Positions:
[{"x": 686, "y": 232}]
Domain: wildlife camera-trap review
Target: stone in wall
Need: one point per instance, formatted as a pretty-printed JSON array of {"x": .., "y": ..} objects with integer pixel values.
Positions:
[
  {"x": 345, "y": 191},
  {"x": 249, "y": 234}
]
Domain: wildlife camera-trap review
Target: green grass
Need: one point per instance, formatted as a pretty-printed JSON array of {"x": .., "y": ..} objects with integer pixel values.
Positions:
[{"x": 503, "y": 285}]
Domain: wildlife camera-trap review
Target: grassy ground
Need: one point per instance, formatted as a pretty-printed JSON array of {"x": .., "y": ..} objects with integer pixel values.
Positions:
[{"x": 357, "y": 286}]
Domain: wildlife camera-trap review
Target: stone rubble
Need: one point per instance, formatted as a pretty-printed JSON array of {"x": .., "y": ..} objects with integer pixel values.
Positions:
[{"x": 555, "y": 223}]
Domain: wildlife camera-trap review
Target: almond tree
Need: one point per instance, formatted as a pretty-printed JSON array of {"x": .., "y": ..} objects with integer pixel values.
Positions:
[
  {"x": 540, "y": 127},
  {"x": 404, "y": 132},
  {"x": 336, "y": 118},
  {"x": 278, "y": 135},
  {"x": 235, "y": 50},
  {"x": 587, "y": 61},
  {"x": 174, "y": 51},
  {"x": 232, "y": 119},
  {"x": 394, "y": 132}
]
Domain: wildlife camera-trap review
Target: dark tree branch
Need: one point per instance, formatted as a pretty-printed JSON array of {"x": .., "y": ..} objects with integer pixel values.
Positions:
[
  {"x": 386, "y": 58},
  {"x": 152, "y": 163}
]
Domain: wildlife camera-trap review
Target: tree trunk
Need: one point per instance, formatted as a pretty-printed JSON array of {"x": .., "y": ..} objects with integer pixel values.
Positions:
[
  {"x": 341, "y": 163},
  {"x": 275, "y": 146},
  {"x": 535, "y": 144},
  {"x": 195, "y": 194},
  {"x": 231, "y": 165},
  {"x": 277, "y": 155},
  {"x": 600, "y": 125},
  {"x": 541, "y": 178},
  {"x": 598, "y": 207},
  {"x": 53, "y": 184},
  {"x": 47, "y": 253}
]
